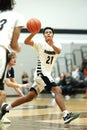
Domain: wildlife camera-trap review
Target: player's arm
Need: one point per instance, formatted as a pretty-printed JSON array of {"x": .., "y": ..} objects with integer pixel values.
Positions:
[
  {"x": 14, "y": 41},
  {"x": 28, "y": 40},
  {"x": 56, "y": 49},
  {"x": 18, "y": 90},
  {"x": 11, "y": 82}
]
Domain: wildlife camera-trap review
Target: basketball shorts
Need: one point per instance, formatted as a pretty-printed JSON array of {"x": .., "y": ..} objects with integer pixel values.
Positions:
[
  {"x": 43, "y": 82},
  {"x": 3, "y": 63}
]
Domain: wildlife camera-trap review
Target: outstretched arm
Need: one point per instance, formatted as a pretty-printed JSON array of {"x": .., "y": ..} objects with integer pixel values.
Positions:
[{"x": 13, "y": 84}]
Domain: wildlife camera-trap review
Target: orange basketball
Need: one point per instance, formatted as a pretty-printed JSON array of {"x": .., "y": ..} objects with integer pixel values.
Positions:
[{"x": 33, "y": 25}]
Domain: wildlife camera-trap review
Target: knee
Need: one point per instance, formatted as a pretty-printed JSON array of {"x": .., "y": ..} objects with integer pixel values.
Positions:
[
  {"x": 3, "y": 94},
  {"x": 56, "y": 90},
  {"x": 30, "y": 96}
]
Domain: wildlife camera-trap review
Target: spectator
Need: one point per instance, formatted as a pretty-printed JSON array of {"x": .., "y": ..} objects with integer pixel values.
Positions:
[
  {"x": 75, "y": 72},
  {"x": 78, "y": 76},
  {"x": 70, "y": 83},
  {"x": 65, "y": 83},
  {"x": 62, "y": 79},
  {"x": 25, "y": 79}
]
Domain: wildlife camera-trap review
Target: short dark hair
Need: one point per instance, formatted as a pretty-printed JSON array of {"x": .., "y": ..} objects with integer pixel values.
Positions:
[
  {"x": 48, "y": 28},
  {"x": 6, "y": 5}
]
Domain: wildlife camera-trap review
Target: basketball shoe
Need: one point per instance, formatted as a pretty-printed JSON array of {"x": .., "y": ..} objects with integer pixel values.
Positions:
[
  {"x": 3, "y": 110},
  {"x": 70, "y": 117}
]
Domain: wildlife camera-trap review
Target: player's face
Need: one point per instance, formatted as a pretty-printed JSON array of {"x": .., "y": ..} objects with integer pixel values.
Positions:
[
  {"x": 13, "y": 61},
  {"x": 48, "y": 34}
]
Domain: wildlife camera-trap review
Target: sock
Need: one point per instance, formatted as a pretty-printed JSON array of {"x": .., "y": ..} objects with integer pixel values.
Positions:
[
  {"x": 65, "y": 112},
  {"x": 9, "y": 107}
]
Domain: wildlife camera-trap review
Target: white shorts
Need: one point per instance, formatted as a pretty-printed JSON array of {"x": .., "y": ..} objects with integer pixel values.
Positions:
[
  {"x": 43, "y": 82},
  {"x": 2, "y": 61}
]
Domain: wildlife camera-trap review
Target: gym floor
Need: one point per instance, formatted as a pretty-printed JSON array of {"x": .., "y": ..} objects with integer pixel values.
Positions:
[{"x": 43, "y": 114}]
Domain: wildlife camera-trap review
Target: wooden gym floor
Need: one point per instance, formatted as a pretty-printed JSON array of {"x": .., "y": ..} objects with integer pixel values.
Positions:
[{"x": 43, "y": 114}]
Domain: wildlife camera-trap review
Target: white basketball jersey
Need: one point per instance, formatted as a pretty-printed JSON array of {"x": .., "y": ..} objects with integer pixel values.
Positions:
[
  {"x": 9, "y": 20},
  {"x": 46, "y": 57}
]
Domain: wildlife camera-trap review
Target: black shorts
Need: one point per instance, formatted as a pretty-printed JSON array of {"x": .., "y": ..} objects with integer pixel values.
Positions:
[{"x": 48, "y": 83}]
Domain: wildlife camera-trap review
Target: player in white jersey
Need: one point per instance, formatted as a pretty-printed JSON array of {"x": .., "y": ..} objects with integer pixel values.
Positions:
[
  {"x": 11, "y": 24},
  {"x": 47, "y": 54}
]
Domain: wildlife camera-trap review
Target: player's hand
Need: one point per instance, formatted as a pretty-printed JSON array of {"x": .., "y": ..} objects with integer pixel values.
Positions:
[
  {"x": 27, "y": 85},
  {"x": 50, "y": 41}
]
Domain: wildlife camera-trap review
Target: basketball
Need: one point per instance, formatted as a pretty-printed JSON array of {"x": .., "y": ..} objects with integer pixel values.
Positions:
[{"x": 33, "y": 25}]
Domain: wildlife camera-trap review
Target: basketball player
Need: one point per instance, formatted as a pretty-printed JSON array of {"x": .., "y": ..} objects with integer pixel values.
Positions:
[
  {"x": 47, "y": 51},
  {"x": 11, "y": 24},
  {"x": 9, "y": 79}
]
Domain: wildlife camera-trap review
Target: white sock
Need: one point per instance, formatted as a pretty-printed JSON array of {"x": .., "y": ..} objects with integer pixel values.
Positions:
[
  {"x": 9, "y": 107},
  {"x": 65, "y": 112}
]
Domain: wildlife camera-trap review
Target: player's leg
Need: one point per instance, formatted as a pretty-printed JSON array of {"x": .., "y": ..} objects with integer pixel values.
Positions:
[
  {"x": 34, "y": 91},
  {"x": 6, "y": 107},
  {"x": 67, "y": 116},
  {"x": 3, "y": 63},
  {"x": 2, "y": 97},
  {"x": 27, "y": 98},
  {"x": 58, "y": 97}
]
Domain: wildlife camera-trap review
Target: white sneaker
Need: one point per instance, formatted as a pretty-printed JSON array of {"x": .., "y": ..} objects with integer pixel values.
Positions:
[{"x": 5, "y": 120}]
